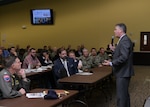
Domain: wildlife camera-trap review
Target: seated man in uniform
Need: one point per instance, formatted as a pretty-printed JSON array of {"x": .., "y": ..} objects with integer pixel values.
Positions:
[
  {"x": 13, "y": 81},
  {"x": 93, "y": 55},
  {"x": 101, "y": 57},
  {"x": 86, "y": 60}
]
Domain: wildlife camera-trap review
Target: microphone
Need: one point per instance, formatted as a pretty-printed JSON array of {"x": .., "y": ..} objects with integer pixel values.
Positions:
[{"x": 112, "y": 40}]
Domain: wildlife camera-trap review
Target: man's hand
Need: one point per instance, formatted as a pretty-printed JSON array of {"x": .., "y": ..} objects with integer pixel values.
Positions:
[
  {"x": 112, "y": 47},
  {"x": 47, "y": 57},
  {"x": 22, "y": 91},
  {"x": 106, "y": 62},
  {"x": 15, "y": 53},
  {"x": 100, "y": 65},
  {"x": 22, "y": 73}
]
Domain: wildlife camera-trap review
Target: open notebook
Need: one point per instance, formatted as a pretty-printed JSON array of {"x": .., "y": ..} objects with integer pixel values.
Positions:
[{"x": 35, "y": 95}]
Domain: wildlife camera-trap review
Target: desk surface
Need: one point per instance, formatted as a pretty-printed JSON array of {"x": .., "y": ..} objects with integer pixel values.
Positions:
[
  {"x": 98, "y": 74},
  {"x": 38, "y": 102},
  {"x": 36, "y": 73}
]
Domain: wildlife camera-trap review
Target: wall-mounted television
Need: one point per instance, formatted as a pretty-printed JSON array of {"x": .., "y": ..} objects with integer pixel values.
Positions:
[{"x": 41, "y": 16}]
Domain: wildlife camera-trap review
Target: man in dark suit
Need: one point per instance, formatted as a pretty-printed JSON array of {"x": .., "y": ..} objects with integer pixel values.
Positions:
[
  {"x": 64, "y": 66},
  {"x": 122, "y": 64}
]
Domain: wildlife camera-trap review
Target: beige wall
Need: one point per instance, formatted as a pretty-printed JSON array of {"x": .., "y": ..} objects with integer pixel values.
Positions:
[{"x": 88, "y": 22}]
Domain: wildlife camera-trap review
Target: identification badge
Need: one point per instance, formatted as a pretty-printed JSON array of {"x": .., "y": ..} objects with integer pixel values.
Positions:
[{"x": 6, "y": 78}]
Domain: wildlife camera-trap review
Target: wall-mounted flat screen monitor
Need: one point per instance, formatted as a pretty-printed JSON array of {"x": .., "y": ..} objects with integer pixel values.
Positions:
[{"x": 41, "y": 16}]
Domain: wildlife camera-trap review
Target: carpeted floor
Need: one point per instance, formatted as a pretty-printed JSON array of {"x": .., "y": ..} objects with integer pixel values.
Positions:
[{"x": 139, "y": 90}]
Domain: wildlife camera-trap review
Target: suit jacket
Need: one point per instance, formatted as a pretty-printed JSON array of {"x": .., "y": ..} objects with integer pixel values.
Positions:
[
  {"x": 60, "y": 71},
  {"x": 122, "y": 58}
]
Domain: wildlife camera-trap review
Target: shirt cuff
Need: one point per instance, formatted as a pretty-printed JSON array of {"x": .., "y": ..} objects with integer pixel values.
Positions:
[{"x": 110, "y": 63}]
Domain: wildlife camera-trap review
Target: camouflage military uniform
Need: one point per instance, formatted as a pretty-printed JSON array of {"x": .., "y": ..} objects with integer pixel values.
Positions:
[
  {"x": 94, "y": 64},
  {"x": 11, "y": 84},
  {"x": 100, "y": 58},
  {"x": 86, "y": 62}
]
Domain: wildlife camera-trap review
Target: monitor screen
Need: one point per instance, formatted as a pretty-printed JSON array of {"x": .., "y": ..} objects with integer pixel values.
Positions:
[{"x": 41, "y": 16}]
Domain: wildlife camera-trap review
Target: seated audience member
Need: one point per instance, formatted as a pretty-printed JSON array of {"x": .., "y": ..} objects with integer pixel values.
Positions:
[
  {"x": 68, "y": 48},
  {"x": 54, "y": 54},
  {"x": 64, "y": 66},
  {"x": 13, "y": 52},
  {"x": 48, "y": 77},
  {"x": 44, "y": 58},
  {"x": 13, "y": 81},
  {"x": 78, "y": 63},
  {"x": 108, "y": 49},
  {"x": 27, "y": 51},
  {"x": 101, "y": 57},
  {"x": 21, "y": 54},
  {"x": 32, "y": 60},
  {"x": 93, "y": 54},
  {"x": 49, "y": 49},
  {"x": 28, "y": 47},
  {"x": 45, "y": 47},
  {"x": 1, "y": 59},
  {"x": 82, "y": 47},
  {"x": 86, "y": 60},
  {"x": 78, "y": 52},
  {"x": 5, "y": 52},
  {"x": 17, "y": 49}
]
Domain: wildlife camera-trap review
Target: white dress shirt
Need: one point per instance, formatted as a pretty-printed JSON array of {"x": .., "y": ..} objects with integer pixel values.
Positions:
[{"x": 64, "y": 62}]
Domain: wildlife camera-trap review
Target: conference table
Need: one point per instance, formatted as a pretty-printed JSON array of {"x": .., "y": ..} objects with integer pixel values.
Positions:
[
  {"x": 99, "y": 77},
  {"x": 42, "y": 78},
  {"x": 37, "y": 72},
  {"x": 97, "y": 74},
  {"x": 23, "y": 101}
]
